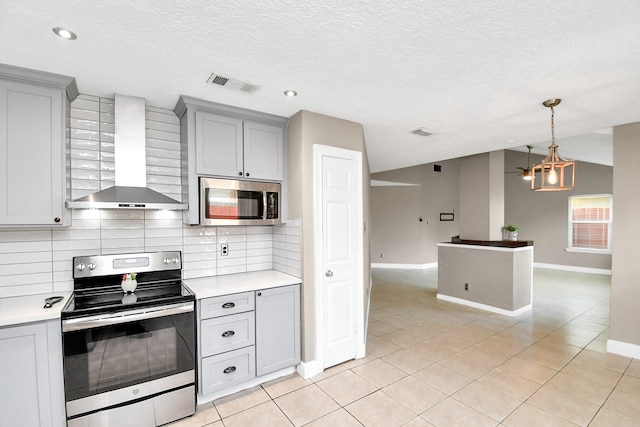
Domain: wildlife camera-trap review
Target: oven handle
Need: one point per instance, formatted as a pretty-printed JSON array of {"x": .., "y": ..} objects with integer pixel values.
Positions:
[{"x": 124, "y": 317}]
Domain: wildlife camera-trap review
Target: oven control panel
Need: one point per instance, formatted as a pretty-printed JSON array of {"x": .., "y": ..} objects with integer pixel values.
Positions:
[{"x": 104, "y": 265}]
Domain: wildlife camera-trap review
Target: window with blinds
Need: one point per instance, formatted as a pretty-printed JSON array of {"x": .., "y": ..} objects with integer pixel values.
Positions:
[{"x": 590, "y": 219}]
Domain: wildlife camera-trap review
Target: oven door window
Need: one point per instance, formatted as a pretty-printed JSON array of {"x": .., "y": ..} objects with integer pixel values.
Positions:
[
  {"x": 106, "y": 358},
  {"x": 233, "y": 204}
]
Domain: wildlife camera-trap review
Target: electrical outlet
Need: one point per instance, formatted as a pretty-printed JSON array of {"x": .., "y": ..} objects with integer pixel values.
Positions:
[
  {"x": 466, "y": 286},
  {"x": 224, "y": 250}
]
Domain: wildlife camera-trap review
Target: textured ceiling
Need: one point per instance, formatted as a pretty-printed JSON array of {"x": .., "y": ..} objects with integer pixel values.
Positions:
[{"x": 474, "y": 73}]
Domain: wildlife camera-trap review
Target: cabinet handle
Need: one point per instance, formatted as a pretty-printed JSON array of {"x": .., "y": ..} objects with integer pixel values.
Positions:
[
  {"x": 228, "y": 305},
  {"x": 229, "y": 370},
  {"x": 246, "y": 174},
  {"x": 57, "y": 219},
  {"x": 259, "y": 294},
  {"x": 239, "y": 173},
  {"x": 228, "y": 334}
]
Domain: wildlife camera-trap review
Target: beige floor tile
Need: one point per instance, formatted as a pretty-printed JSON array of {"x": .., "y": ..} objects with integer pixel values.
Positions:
[
  {"x": 613, "y": 362},
  {"x": 238, "y": 402},
  {"x": 453, "y": 342},
  {"x": 433, "y": 350},
  {"x": 378, "y": 327},
  {"x": 442, "y": 378},
  {"x": 630, "y": 385},
  {"x": 451, "y": 413},
  {"x": 625, "y": 404},
  {"x": 592, "y": 373},
  {"x": 403, "y": 338},
  {"x": 206, "y": 414},
  {"x": 467, "y": 366},
  {"x": 408, "y": 360},
  {"x": 346, "y": 387},
  {"x": 285, "y": 385},
  {"x": 381, "y": 347},
  {"x": 424, "y": 330},
  {"x": 634, "y": 369},
  {"x": 357, "y": 362},
  {"x": 572, "y": 409},
  {"x": 608, "y": 418},
  {"x": 553, "y": 356},
  {"x": 515, "y": 386},
  {"x": 378, "y": 409},
  {"x": 418, "y": 422},
  {"x": 530, "y": 416},
  {"x": 264, "y": 415},
  {"x": 414, "y": 394},
  {"x": 215, "y": 424},
  {"x": 334, "y": 370},
  {"x": 529, "y": 370},
  {"x": 306, "y": 404},
  {"x": 339, "y": 418},
  {"x": 379, "y": 373},
  {"x": 580, "y": 388},
  {"x": 487, "y": 401}
]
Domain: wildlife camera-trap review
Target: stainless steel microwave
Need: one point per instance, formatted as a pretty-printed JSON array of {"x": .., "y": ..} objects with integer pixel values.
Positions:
[{"x": 235, "y": 202}]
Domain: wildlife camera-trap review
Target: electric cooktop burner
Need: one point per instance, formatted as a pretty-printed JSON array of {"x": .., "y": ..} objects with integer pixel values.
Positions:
[{"x": 97, "y": 290}]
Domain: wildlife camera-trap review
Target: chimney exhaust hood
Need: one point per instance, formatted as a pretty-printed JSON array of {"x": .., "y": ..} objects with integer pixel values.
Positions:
[{"x": 130, "y": 191}]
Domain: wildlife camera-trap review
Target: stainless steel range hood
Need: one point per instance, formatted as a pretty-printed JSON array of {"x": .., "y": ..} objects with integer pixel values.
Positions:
[{"x": 130, "y": 191}]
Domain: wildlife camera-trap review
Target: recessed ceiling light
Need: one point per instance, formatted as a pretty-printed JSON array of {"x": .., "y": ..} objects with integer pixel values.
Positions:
[
  {"x": 64, "y": 33},
  {"x": 290, "y": 93}
]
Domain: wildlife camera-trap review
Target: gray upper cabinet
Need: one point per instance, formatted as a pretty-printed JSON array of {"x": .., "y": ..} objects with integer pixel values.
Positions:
[
  {"x": 219, "y": 147},
  {"x": 33, "y": 142},
  {"x": 229, "y": 142},
  {"x": 277, "y": 328}
]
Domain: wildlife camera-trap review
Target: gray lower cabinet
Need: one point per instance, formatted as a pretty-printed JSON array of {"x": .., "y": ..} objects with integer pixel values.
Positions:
[
  {"x": 277, "y": 328},
  {"x": 246, "y": 335},
  {"x": 33, "y": 142},
  {"x": 32, "y": 393}
]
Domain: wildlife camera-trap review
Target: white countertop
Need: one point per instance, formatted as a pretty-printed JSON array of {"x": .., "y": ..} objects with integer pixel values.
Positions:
[
  {"x": 18, "y": 310},
  {"x": 213, "y": 286}
]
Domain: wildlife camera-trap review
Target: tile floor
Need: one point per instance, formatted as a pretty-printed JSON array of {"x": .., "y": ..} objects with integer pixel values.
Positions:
[{"x": 432, "y": 363}]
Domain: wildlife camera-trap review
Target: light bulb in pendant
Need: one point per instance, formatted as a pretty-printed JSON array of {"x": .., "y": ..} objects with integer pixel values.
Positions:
[{"x": 552, "y": 177}]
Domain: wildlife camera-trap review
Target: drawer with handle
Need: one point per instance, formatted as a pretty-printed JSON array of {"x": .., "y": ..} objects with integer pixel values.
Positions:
[
  {"x": 227, "y": 369},
  {"x": 221, "y": 334},
  {"x": 227, "y": 304}
]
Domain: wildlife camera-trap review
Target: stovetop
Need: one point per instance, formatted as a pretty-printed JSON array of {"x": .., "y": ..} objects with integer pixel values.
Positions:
[
  {"x": 112, "y": 300},
  {"x": 98, "y": 283}
]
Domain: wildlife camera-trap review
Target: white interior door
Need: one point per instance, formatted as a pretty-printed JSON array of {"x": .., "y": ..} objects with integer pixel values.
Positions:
[{"x": 339, "y": 255}]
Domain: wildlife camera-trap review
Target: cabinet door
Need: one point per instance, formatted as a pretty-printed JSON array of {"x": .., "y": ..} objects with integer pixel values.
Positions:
[
  {"x": 24, "y": 396},
  {"x": 218, "y": 145},
  {"x": 277, "y": 328},
  {"x": 263, "y": 151},
  {"x": 32, "y": 159}
]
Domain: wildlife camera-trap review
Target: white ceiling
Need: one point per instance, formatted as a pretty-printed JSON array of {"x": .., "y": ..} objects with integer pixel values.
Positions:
[{"x": 474, "y": 72}]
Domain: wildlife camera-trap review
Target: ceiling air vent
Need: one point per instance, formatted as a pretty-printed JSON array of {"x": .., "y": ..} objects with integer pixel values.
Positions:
[
  {"x": 233, "y": 84},
  {"x": 422, "y": 132}
]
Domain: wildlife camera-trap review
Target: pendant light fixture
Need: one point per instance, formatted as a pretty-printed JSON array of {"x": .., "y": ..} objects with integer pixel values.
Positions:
[{"x": 554, "y": 173}]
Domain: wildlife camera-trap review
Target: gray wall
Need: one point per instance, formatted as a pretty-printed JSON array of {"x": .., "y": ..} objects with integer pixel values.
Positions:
[
  {"x": 543, "y": 216},
  {"x": 396, "y": 230},
  {"x": 625, "y": 289},
  {"x": 482, "y": 196},
  {"x": 306, "y": 129}
]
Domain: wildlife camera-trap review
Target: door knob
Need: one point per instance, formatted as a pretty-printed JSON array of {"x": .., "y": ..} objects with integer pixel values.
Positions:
[{"x": 329, "y": 273}]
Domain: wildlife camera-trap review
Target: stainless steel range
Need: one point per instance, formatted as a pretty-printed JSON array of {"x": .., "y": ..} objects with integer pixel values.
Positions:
[{"x": 129, "y": 341}]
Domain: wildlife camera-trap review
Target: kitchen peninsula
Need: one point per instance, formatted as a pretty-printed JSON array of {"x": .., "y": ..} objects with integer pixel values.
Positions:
[{"x": 494, "y": 275}]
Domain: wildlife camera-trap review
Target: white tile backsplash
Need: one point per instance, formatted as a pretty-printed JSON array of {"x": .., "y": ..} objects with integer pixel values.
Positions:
[{"x": 40, "y": 261}]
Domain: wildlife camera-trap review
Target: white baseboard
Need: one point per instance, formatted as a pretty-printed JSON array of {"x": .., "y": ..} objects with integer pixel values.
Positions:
[
  {"x": 309, "y": 369},
  {"x": 502, "y": 311},
  {"x": 573, "y": 268},
  {"x": 623, "y": 349},
  {"x": 405, "y": 266}
]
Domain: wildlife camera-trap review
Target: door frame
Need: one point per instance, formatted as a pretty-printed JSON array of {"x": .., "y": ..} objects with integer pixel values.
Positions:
[{"x": 318, "y": 152}]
